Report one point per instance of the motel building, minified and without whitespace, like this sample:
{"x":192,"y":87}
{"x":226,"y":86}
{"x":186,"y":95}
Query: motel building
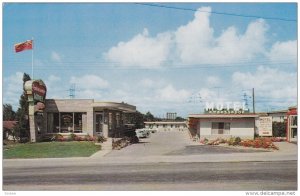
{"x":224,"y":124}
{"x":86,"y":116}
{"x":166,"y":126}
{"x":74,"y":116}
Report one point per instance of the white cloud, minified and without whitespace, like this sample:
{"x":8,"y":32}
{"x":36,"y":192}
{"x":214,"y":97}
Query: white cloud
{"x":142,"y":50}
{"x":213,"y":80}
{"x":13,"y":89}
{"x":273,"y":85}
{"x":196,"y":42}
{"x":89,"y":82}
{"x":53,"y":78}
{"x":170,"y":94}
{"x":55,"y":56}
{"x":193,"y":43}
{"x":284,"y":51}
{"x":148,"y":83}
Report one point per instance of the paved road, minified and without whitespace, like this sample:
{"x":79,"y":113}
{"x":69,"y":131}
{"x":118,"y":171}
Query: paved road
{"x":156,"y":176}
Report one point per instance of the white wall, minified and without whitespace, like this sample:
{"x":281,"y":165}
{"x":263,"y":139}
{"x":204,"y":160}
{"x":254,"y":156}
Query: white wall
{"x":167,"y":127}
{"x":243,"y":128}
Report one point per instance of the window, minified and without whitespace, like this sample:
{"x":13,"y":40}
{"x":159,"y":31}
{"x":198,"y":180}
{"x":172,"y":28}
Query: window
{"x":110,"y":120}
{"x":118,"y":120}
{"x":294,"y":121}
{"x":66,"y":122}
{"x":79,"y":122}
{"x":220,"y":128}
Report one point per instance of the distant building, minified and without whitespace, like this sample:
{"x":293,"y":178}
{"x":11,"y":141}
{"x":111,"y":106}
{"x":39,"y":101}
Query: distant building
{"x":171,"y":116}
{"x":278,"y":116}
{"x":166,"y":126}
{"x":8,"y":128}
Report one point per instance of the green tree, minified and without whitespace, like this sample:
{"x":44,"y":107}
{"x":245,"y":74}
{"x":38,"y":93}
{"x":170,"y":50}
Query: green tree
{"x":149,"y":117}
{"x":178,"y":118}
{"x":137,"y":119}
{"x":22,"y":116}
{"x":8,"y":112}
{"x":279,"y":129}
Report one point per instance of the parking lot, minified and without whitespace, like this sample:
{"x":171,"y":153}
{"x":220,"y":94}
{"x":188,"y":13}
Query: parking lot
{"x":159,"y":143}
{"x":175,"y":144}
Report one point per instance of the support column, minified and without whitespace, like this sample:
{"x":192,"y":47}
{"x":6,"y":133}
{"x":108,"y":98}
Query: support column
{"x":32,"y":123}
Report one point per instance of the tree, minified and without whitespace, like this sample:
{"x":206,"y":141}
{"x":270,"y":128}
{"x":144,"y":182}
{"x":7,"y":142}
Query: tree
{"x":137,"y":119}
{"x":279,"y":129}
{"x":22,"y":115}
{"x":178,"y":118}
{"x":8,"y":112}
{"x":149,"y":117}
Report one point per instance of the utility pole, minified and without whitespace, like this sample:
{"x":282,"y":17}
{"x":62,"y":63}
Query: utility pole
{"x":253,"y":101}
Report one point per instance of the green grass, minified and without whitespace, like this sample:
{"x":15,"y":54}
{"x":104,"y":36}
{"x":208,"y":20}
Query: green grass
{"x":50,"y":150}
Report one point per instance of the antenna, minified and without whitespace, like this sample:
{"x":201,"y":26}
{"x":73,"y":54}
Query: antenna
{"x":245,"y":99}
{"x":72,"y":90}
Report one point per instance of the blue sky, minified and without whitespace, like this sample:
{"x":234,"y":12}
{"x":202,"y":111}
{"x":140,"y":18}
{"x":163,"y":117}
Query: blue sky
{"x":161,"y":60}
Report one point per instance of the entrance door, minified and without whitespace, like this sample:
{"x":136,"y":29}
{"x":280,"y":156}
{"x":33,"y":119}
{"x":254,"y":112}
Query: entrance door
{"x":99,"y":123}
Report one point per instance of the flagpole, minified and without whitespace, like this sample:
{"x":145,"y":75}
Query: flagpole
{"x":32,"y":60}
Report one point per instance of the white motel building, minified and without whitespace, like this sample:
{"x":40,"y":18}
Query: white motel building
{"x":167,"y":126}
{"x":213,"y":126}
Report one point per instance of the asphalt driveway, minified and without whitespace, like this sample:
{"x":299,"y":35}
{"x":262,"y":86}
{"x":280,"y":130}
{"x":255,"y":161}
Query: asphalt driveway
{"x":206,"y":149}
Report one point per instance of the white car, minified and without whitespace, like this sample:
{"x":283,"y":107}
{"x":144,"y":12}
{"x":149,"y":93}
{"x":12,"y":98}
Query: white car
{"x":142,"y":133}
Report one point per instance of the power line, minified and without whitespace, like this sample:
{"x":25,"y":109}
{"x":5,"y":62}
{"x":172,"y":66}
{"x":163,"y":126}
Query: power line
{"x":213,"y":12}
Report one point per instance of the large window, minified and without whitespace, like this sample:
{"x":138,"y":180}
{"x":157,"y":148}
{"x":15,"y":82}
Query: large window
{"x":220,"y":128}
{"x":66,"y":122}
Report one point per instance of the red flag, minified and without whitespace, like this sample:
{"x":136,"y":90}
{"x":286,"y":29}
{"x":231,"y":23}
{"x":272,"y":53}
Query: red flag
{"x":28,"y":45}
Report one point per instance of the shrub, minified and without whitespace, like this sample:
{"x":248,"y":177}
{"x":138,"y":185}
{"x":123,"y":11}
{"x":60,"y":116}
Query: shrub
{"x":237,"y":140}
{"x":101,"y":139}
{"x":204,"y":141}
{"x":59,"y":137}
{"x":231,"y":141}
{"x":88,"y":138}
{"x":71,"y":137}
{"x":279,"y":129}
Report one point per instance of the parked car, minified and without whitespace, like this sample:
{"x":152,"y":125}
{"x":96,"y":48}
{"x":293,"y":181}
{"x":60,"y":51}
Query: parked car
{"x":142,"y":133}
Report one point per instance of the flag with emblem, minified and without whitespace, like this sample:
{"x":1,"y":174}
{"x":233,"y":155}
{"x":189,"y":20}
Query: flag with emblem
{"x":28,"y":45}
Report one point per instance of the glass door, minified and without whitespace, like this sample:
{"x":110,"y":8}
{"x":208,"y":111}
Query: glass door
{"x":99,"y":123}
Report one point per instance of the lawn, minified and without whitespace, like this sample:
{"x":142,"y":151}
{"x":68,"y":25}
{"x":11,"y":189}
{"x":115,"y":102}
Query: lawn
{"x":50,"y":150}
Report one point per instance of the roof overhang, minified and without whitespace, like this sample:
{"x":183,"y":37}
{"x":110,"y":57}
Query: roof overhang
{"x":124,"y":107}
{"x":166,"y":122}
{"x":223,"y":116}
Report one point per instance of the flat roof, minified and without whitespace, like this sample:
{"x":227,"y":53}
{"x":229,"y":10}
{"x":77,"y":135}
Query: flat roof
{"x":279,"y":111}
{"x":166,"y":122}
{"x":223,"y":115}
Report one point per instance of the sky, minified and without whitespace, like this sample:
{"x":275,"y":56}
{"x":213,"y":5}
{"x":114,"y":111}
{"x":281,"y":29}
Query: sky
{"x":158,"y":58}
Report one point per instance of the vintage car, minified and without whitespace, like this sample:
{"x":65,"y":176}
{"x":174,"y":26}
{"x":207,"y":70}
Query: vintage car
{"x":142,"y":133}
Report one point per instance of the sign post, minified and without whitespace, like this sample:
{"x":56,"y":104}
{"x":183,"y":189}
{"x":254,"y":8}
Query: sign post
{"x":265,"y":126}
{"x":36,"y":91}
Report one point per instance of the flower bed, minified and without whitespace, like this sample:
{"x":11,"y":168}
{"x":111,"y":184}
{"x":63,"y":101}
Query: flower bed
{"x":74,"y":137}
{"x":261,"y":142}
